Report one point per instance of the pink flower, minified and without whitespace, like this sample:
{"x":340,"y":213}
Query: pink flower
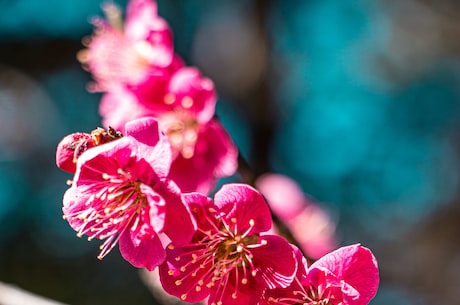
{"x":139,"y":51}
{"x":229,"y":259}
{"x":346,"y":276}
{"x":308,"y":223}
{"x":120,"y":193}
{"x":202,"y":149}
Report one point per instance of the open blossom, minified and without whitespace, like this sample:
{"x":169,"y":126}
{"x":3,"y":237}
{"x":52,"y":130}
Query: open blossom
{"x":229,"y":259}
{"x":138,"y":52}
{"x":120,"y":194}
{"x":346,"y":276}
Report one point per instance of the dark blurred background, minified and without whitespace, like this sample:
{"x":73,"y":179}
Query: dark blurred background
{"x":359,"y":101}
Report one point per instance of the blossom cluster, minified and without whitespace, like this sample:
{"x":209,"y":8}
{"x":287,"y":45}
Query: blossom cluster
{"x":143,"y":182}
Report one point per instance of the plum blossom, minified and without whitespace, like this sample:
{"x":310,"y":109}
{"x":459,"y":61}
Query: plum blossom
{"x":202,"y":149}
{"x":120,"y":194}
{"x":346,"y":276}
{"x":136,"y":53}
{"x":229,"y":259}
{"x":134,"y":62}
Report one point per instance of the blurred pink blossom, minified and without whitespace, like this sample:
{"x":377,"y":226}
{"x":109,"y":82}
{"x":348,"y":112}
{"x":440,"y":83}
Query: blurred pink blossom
{"x":309,"y":224}
{"x":136,"y":53}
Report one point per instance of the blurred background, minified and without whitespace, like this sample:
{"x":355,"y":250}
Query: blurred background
{"x":358,"y":101}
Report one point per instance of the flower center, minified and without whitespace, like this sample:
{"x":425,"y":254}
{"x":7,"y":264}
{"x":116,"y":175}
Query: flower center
{"x":221,"y":256}
{"x":182,"y":131}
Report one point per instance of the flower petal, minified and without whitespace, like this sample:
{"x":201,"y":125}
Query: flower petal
{"x":180,"y":224}
{"x":148,"y":254}
{"x":178,"y":281}
{"x":215,"y":156}
{"x":275,"y":262}
{"x":246,"y":205}
{"x":357,"y":267}
{"x":144,"y":130}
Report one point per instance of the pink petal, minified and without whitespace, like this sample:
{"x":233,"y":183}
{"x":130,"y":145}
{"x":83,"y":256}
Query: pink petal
{"x":249,"y":298}
{"x":226,"y":153}
{"x":73,"y":202}
{"x":144,"y":25}
{"x":276,"y":260}
{"x":119,"y":106}
{"x":283,"y":194}
{"x":180,"y":225}
{"x":170,"y":273}
{"x":139,"y":12}
{"x":157,"y":208}
{"x":194,"y":92}
{"x":215,"y":156}
{"x":148,"y":254}
{"x":246,"y":205}
{"x":156,"y":151}
{"x":357,"y":267}
{"x":160,"y":157}
{"x":144,"y":130}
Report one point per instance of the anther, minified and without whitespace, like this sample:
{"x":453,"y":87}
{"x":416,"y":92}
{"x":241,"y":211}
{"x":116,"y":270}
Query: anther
{"x":169,"y":99}
{"x":187,"y":102}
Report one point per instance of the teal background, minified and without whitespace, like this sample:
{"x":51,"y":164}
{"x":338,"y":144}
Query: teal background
{"x":358,"y":101}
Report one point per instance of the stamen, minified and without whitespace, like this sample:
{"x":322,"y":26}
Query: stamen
{"x":169,"y":98}
{"x":187,"y":102}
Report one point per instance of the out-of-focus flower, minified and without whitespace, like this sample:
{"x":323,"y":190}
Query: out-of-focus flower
{"x":309,"y":224}
{"x":346,"y":276}
{"x":136,"y":65}
{"x":229,"y":259}
{"x":135,"y":53}
{"x":120,"y":193}
{"x":202,"y":149}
